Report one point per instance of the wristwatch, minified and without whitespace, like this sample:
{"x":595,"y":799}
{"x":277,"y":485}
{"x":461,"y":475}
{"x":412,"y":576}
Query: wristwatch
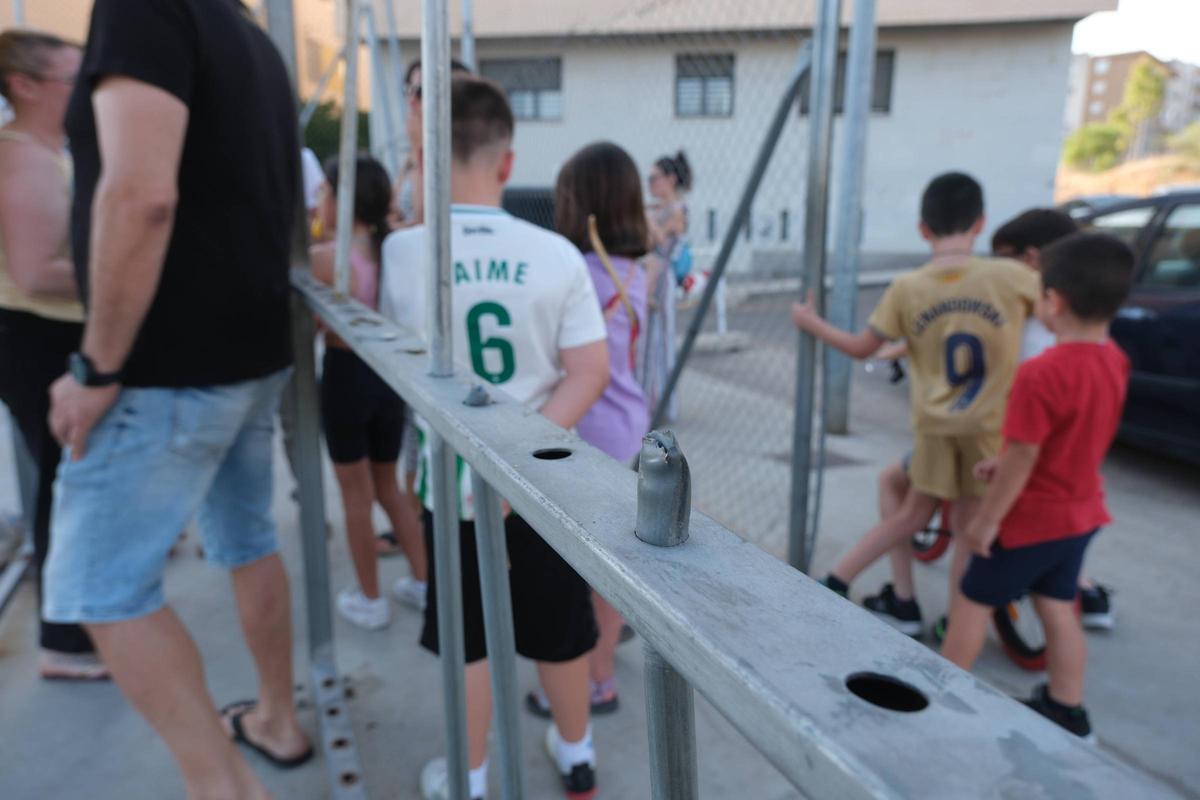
{"x":85,"y":374}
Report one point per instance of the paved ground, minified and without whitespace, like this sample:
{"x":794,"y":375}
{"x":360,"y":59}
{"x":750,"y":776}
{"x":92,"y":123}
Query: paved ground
{"x":59,"y":741}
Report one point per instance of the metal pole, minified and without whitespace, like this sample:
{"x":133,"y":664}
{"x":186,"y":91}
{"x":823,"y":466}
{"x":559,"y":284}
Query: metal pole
{"x":783,"y":113}
{"x":820,"y":139}
{"x":435,"y":131}
{"x":435,"y":111}
{"x":347,"y":154}
{"x":664,"y":506}
{"x":393,"y":40}
{"x":468,"y":35}
{"x":310,"y":107}
{"x":281,"y":25}
{"x":501,"y":641}
{"x":385,"y":93}
{"x":18,"y":7}
{"x":847,"y":234}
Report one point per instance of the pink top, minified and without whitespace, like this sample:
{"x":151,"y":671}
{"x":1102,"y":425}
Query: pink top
{"x":364,"y":279}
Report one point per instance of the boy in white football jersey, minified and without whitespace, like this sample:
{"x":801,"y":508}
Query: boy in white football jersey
{"x":525,"y":318}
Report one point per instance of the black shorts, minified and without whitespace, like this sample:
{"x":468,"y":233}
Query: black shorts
{"x":361,"y":415}
{"x":1050,"y":569}
{"x":551,"y":604}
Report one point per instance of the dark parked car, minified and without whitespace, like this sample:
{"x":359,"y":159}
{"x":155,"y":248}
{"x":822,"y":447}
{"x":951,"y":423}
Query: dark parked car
{"x":1160,"y":325}
{"x":1091,"y":204}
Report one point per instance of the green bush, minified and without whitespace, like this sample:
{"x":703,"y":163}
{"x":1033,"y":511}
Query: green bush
{"x":1095,"y":147}
{"x":1186,"y":143}
{"x":324,"y":130}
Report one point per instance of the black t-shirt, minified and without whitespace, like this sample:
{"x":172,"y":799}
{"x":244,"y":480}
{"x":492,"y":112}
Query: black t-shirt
{"x":220,"y":314}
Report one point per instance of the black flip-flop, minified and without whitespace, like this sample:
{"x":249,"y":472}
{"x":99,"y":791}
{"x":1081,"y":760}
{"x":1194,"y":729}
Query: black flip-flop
{"x":393,"y":545}
{"x":240,"y":708}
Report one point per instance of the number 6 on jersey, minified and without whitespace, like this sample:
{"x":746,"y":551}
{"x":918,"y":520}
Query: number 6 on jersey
{"x":479,"y":345}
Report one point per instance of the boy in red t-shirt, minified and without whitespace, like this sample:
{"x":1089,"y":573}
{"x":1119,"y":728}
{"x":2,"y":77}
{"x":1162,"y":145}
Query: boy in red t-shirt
{"x":1046,"y":498}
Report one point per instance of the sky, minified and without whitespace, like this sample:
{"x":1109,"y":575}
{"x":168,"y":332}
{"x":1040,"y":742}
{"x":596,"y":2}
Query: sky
{"x":1167,"y":29}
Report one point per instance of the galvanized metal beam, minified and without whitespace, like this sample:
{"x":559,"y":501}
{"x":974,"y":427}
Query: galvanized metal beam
{"x":772,"y":650}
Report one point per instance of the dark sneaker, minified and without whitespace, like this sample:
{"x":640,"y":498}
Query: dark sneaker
{"x":579,"y":782}
{"x":903,"y":615}
{"x":1074,"y":719}
{"x":836,"y":586}
{"x":938,"y":631}
{"x":1097,"y":607}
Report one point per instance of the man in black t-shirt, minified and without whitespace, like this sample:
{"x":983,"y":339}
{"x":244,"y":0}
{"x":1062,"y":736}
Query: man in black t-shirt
{"x":184,"y":135}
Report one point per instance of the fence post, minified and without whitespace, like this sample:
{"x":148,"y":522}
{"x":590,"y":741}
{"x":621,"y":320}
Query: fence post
{"x":501,"y":641}
{"x":347,"y":153}
{"x":310,"y":106}
{"x":18,"y":7}
{"x":467,"y":46}
{"x":820,"y":139}
{"x":435,"y":111}
{"x":397,"y":72}
{"x":664,"y":504}
{"x":847,"y":235}
{"x":385,"y":93}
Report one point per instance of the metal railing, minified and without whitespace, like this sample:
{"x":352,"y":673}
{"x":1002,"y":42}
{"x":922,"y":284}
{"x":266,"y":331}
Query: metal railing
{"x":838,"y":701}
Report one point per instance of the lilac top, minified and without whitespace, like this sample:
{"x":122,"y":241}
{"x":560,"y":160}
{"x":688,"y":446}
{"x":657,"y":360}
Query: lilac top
{"x":621,"y":417}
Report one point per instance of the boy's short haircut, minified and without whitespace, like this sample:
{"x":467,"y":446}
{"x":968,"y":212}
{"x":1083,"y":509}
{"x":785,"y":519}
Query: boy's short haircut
{"x":456,"y":68}
{"x":951,"y":204}
{"x":480,"y":117}
{"x":1035,"y":228}
{"x":1092,"y":271}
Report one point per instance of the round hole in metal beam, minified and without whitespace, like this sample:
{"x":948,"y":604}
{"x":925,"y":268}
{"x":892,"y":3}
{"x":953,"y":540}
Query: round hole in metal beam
{"x":552,"y":453}
{"x":328,"y":683}
{"x":348,"y":778}
{"x":886,"y":692}
{"x":332,"y":711}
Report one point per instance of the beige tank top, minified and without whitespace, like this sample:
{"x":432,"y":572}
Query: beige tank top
{"x":17,"y":299}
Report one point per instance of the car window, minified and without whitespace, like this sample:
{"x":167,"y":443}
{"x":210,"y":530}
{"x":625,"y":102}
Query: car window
{"x":1125,"y":225}
{"x":1174,"y":259}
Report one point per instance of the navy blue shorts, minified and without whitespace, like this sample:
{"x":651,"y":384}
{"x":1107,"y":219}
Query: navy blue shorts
{"x":1050,"y":569}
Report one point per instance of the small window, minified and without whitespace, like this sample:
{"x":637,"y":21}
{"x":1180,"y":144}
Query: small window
{"x":704,"y":85}
{"x":881,"y":85}
{"x":1125,"y":225}
{"x":1174,"y":260}
{"x":1096,"y":108}
{"x":1099,"y":87}
{"x":1101,"y":67}
{"x":533,"y":85}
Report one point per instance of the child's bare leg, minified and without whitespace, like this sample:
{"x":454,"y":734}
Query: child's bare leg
{"x":603,"y":655}
{"x":961,"y":512}
{"x":406,"y":524}
{"x":566,"y":686}
{"x":913,"y":514}
{"x":1066,"y":649}
{"x":893,"y":486}
{"x":478,"y":680}
{"x":967,"y":631}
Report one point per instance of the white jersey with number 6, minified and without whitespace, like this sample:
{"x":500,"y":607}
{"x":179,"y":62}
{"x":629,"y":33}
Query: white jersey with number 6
{"x":520,"y":294}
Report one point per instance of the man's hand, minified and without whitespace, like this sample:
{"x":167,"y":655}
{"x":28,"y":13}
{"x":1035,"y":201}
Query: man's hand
{"x":986,"y":470}
{"x":75,"y":410}
{"x":980,"y":535}
{"x":804,"y":315}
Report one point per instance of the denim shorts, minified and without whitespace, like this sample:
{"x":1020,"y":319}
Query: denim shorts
{"x":159,"y":458}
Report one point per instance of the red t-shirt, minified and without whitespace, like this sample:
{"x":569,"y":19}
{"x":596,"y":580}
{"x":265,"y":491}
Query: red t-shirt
{"x":1067,"y":400}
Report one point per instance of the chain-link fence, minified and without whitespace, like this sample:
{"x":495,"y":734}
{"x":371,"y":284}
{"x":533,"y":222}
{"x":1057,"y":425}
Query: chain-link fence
{"x":690,"y":90}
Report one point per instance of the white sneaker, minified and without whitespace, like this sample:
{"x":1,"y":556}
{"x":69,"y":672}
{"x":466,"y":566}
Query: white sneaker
{"x":410,"y":592}
{"x":576,"y":764}
{"x":357,"y":609}
{"x":435,"y":781}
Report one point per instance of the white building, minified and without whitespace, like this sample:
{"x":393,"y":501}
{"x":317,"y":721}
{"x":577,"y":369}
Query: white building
{"x":972,"y":85}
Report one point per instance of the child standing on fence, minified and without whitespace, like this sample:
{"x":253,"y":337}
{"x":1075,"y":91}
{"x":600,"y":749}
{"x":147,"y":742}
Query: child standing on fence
{"x":526,"y":317}
{"x":961,"y":318}
{"x":1045,"y":500}
{"x":598,"y":207}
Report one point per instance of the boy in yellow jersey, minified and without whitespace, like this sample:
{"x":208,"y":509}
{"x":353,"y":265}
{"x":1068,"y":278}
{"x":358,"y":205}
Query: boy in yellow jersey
{"x":961,"y":318}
